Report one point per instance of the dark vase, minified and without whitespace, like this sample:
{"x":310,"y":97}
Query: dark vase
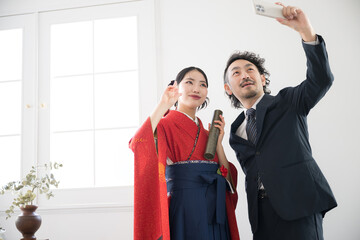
{"x":28,"y":222}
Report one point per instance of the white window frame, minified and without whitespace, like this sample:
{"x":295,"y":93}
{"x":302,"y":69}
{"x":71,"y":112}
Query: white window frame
{"x":38,"y":144}
{"x":27,"y":23}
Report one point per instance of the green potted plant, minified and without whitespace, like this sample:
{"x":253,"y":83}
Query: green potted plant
{"x":25,"y":192}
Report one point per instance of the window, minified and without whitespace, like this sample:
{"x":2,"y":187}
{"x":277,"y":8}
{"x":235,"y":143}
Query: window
{"x":94,"y":72}
{"x":94,"y":100}
{"x":10,"y":103}
{"x":17,"y":110}
{"x":81,"y":81}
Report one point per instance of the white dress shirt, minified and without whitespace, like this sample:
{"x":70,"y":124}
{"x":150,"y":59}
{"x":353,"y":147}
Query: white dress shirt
{"x":241,"y":131}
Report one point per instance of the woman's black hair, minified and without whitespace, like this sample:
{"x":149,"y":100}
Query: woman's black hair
{"x":180,"y":76}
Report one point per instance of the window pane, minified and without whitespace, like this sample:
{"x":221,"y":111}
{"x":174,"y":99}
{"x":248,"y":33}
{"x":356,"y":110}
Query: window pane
{"x":10,"y":158}
{"x":94,"y":86}
{"x":11,"y":54}
{"x":72,"y":103}
{"x":116,"y":100}
{"x":72,"y":48}
{"x":114,"y":159}
{"x":75,"y":151}
{"x":115,"y":44}
{"x":10,"y":108}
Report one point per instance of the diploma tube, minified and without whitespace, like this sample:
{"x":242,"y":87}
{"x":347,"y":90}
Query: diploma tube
{"x":213,"y":137}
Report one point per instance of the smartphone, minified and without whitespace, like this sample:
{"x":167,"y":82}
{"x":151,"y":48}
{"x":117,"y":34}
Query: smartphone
{"x":268,"y":9}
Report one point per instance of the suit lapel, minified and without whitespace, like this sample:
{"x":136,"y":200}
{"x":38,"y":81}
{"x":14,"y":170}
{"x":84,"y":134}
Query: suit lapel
{"x":244,"y":149}
{"x":234,"y":126}
{"x":261,"y":109}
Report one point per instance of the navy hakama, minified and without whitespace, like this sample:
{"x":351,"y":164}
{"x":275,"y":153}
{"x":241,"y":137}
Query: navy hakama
{"x":197,"y":205}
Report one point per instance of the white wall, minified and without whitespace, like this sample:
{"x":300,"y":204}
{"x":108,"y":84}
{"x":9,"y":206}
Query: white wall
{"x":204,"y":33}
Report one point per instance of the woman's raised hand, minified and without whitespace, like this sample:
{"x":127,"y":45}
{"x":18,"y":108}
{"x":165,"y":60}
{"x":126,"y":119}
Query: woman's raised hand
{"x":170,"y":95}
{"x":168,"y":99}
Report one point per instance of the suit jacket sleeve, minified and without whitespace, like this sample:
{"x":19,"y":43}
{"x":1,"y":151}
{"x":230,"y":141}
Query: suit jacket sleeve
{"x":318,"y":79}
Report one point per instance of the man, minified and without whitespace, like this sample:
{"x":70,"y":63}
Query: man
{"x":287,"y":193}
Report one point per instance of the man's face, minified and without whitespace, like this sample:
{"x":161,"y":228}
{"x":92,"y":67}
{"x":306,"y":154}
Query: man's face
{"x":245,"y":81}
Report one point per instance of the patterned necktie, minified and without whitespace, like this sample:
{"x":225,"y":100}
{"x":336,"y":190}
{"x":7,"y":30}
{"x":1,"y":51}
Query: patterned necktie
{"x":251,"y":134}
{"x":251,"y":125}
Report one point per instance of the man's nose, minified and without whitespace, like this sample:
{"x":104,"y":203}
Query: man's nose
{"x":244,"y":75}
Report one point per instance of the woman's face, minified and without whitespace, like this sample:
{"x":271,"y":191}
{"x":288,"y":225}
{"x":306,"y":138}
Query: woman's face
{"x":194,"y":89}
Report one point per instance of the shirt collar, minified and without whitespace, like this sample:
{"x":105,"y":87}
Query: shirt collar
{"x":257,"y":101}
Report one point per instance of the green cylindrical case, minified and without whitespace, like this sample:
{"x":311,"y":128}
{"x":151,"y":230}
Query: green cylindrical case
{"x":213,"y":137}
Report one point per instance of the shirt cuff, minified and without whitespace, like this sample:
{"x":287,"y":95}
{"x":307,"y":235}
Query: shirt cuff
{"x":316,"y":42}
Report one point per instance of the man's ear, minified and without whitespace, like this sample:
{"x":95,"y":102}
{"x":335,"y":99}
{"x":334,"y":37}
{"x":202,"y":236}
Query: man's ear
{"x":263,"y":79}
{"x":227,"y":89}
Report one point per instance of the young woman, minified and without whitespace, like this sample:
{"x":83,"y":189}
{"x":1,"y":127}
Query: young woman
{"x":179,"y":195}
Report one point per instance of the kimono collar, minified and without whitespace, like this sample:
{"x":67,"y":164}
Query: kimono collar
{"x":196,"y":119}
{"x":187,"y":123}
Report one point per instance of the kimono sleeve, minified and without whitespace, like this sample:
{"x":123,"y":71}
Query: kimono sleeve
{"x":231,"y":202}
{"x":151,"y":219}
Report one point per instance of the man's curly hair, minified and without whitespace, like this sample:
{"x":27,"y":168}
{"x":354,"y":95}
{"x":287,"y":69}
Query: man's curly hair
{"x":254,"y":59}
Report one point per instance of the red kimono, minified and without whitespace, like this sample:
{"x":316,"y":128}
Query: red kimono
{"x":176,"y":135}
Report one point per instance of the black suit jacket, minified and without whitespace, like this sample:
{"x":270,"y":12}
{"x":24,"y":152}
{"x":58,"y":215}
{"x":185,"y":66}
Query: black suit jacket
{"x":282,"y":154}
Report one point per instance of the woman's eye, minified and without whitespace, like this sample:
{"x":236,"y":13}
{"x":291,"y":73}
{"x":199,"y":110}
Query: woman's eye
{"x":204,"y":85}
{"x":189,"y":82}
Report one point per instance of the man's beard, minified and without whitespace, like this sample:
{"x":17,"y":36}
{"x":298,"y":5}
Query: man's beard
{"x":250,"y":94}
